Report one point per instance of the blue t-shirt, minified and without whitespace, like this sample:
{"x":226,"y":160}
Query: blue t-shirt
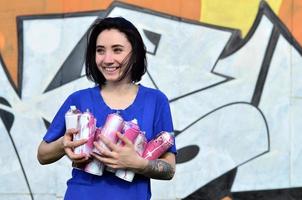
{"x":152,"y":112}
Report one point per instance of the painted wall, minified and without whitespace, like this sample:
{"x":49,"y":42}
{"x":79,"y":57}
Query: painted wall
{"x":231,"y":70}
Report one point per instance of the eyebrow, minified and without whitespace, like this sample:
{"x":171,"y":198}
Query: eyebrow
{"x":117,"y":45}
{"x":113,"y":46}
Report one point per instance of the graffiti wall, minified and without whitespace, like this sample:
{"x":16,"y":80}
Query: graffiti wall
{"x":231,"y":70}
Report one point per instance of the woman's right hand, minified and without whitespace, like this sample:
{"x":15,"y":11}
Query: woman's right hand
{"x":69,"y":146}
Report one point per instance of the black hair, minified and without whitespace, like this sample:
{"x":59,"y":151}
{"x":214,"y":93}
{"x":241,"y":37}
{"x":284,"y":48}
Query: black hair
{"x":137,"y":63}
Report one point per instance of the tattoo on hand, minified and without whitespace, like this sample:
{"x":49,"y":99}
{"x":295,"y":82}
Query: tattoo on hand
{"x":159,"y":169}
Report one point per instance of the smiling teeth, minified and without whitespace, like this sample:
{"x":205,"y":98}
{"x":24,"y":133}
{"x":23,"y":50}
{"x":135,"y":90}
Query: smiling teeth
{"x":110,"y":69}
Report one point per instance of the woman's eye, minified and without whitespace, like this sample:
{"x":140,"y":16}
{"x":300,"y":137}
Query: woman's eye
{"x":100,"y":51}
{"x":117,"y":50}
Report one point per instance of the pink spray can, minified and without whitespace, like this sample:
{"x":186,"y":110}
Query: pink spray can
{"x":87,"y":126}
{"x":94,"y":166}
{"x":140,"y":144}
{"x":156,"y":147}
{"x":72,"y":118}
{"x":130,"y":131}
{"x":114,"y":123}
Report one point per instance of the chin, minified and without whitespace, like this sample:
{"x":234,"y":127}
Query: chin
{"x":112,"y":79}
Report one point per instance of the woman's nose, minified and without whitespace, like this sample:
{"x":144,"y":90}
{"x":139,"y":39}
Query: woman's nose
{"x":108,"y":58}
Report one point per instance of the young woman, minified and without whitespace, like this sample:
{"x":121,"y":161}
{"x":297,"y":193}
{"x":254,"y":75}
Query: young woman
{"x":115,"y":61}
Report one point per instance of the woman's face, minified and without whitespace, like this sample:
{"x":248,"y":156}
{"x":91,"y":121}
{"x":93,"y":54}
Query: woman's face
{"x":112,"y":53}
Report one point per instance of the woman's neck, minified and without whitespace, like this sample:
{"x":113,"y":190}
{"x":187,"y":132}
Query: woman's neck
{"x":119,"y":95}
{"x":121,"y":87}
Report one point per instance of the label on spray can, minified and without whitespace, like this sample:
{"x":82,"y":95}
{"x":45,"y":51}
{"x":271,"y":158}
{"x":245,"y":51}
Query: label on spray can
{"x":94,"y":167}
{"x":140,"y":143}
{"x":87,"y":127}
{"x":130,"y":131}
{"x":72,"y":118}
{"x":156,"y":147}
{"x":114,"y":123}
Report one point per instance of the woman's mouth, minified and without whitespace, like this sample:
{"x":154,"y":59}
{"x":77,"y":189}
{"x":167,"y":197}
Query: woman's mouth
{"x":110,"y":69}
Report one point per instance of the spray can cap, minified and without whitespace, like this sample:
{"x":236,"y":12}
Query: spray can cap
{"x":73,"y":108}
{"x":134,"y":121}
{"x":171,"y":133}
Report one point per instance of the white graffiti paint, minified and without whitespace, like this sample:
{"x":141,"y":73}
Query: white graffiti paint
{"x":214,"y":104}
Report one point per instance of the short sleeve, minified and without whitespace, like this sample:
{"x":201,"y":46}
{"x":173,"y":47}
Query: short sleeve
{"x":57,"y":127}
{"x":164,"y":119}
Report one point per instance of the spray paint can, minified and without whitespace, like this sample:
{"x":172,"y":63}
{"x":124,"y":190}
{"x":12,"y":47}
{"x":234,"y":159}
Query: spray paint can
{"x":72,"y":118}
{"x":156,"y":147}
{"x":87,"y":127}
{"x":95,"y":166}
{"x":114,"y":123}
{"x":140,"y":144}
{"x":130,"y":131}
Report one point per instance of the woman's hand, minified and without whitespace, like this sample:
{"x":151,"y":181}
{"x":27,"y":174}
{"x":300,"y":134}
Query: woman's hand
{"x":69,"y":146}
{"x":117,"y":156}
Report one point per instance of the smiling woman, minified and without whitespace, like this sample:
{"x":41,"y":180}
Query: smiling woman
{"x":118,"y":45}
{"x":112,"y":55}
{"x":115,"y":62}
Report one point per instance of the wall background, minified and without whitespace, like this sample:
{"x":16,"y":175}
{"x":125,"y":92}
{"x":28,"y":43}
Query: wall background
{"x":231,"y":70}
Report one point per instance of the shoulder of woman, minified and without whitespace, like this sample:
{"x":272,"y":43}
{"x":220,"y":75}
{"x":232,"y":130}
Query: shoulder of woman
{"x":82,"y":92}
{"x":154,"y":92}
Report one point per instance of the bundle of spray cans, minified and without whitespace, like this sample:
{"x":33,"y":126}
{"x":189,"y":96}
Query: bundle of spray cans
{"x":86,"y":123}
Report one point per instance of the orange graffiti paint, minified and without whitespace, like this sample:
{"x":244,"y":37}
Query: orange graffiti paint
{"x":181,"y":8}
{"x":291,"y":15}
{"x":2,"y":42}
{"x":11,"y":9}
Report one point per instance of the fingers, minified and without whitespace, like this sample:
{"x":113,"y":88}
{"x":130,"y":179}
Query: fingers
{"x":76,"y":158}
{"x":108,"y":143}
{"x":108,"y":161}
{"x":124,"y":139}
{"x":82,"y":160}
{"x":68,"y":139}
{"x":105,"y":155}
{"x":78,"y":142}
{"x":71,"y":131}
{"x":69,"y":146}
{"x":103,"y":151}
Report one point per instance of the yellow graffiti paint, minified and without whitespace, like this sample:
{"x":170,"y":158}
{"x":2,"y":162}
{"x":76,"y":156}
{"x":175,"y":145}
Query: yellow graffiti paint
{"x":238,"y":14}
{"x":275,"y":5}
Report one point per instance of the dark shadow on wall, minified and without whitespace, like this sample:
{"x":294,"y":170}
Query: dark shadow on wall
{"x":216,"y":189}
{"x":283,"y":194}
{"x":221,"y":187}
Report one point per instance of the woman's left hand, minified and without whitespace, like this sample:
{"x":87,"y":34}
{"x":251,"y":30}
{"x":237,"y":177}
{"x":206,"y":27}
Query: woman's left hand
{"x":119,"y":157}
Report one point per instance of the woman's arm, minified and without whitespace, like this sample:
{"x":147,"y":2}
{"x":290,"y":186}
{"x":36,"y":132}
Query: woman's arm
{"x":53,"y":151}
{"x":50,"y":152}
{"x":162,"y":168}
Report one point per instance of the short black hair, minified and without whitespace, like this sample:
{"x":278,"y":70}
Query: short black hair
{"x":137,"y":64}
